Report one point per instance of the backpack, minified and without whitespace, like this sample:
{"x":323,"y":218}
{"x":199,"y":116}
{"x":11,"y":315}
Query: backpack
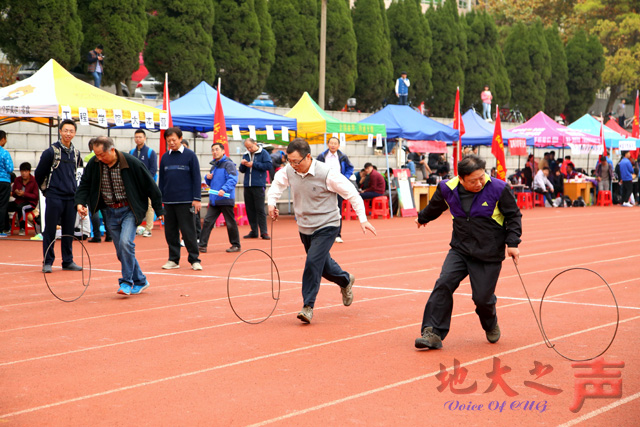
{"x":57,"y":156}
{"x":579,"y":202}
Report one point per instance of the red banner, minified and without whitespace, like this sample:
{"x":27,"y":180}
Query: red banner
{"x":166,"y":105}
{"x":219,"y":126}
{"x":497,"y":148}
{"x":459,"y":125}
{"x":602,"y":141}
{"x":635,"y":130}
{"x":427,"y":146}
{"x":517,"y":146}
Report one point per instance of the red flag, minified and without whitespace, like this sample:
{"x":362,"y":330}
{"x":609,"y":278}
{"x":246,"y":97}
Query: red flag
{"x":497,"y":148}
{"x":604,"y":144}
{"x":635,"y":130}
{"x":219,"y":126}
{"x":166,"y":105}
{"x":459,"y":125}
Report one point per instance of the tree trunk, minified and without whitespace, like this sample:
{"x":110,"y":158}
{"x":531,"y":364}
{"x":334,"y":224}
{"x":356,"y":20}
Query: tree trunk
{"x":615,"y":92}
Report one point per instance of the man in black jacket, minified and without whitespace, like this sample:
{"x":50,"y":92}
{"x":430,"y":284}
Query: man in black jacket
{"x":486,"y":218}
{"x":121,"y":185}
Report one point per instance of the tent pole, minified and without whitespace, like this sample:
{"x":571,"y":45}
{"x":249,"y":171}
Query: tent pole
{"x":50,"y":133}
{"x":388,"y":177}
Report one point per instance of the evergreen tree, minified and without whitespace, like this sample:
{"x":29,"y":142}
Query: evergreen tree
{"x":375,"y":69}
{"x":586,"y":62}
{"x":485,"y":62}
{"x":529,"y":67}
{"x":296,"y":26}
{"x":50,"y":29}
{"x":121,"y":27}
{"x":342,"y":48}
{"x":267,"y":43}
{"x":411,"y":47}
{"x":236,"y":37}
{"x":449,"y":57}
{"x":179,"y":42}
{"x":557,"y":92}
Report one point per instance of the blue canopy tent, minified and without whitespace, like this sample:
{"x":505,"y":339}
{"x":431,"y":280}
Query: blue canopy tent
{"x":403,"y":121}
{"x":195,"y":110}
{"x":479,"y":132}
{"x":591,"y":125}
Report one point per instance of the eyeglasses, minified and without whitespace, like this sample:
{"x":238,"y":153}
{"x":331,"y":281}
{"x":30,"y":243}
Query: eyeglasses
{"x":68,"y":131}
{"x":298,"y":162}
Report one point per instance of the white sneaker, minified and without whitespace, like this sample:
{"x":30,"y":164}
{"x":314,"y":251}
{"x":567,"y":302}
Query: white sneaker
{"x":627,"y":205}
{"x":196,"y":266}
{"x":339,"y":240}
{"x":182,"y":243}
{"x":170,"y":265}
{"x":146,"y":233}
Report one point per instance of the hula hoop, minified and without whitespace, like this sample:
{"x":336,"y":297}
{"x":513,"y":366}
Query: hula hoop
{"x":85,"y":286}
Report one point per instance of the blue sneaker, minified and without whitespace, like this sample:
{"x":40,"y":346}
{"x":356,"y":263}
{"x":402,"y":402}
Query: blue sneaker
{"x":139,"y":288}
{"x":125,"y":289}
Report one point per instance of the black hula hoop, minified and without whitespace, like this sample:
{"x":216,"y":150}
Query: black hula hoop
{"x":85,"y":286}
{"x":538,"y":318}
{"x":274,"y":295}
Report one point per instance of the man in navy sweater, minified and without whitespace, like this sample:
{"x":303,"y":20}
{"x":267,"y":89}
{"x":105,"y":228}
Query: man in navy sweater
{"x":254,"y":165}
{"x":148,"y":157}
{"x":58,"y":163}
{"x":180,"y":186}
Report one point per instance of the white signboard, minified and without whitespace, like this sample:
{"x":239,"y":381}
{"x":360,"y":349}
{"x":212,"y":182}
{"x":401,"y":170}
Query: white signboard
{"x":627,"y":145}
{"x":135,"y":119}
{"x":118,"y":118}
{"x":370,"y":140}
{"x":285,"y":133}
{"x":148,"y":121}
{"x":235,"y":130}
{"x":65,"y":112}
{"x":102,"y":118}
{"x":84,"y":116}
{"x":270,"y":135}
{"x":252,"y":132}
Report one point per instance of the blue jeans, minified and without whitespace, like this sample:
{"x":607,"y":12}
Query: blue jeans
{"x":121,"y":223}
{"x":486,"y":111}
{"x":403,"y":99}
{"x":97,"y":78}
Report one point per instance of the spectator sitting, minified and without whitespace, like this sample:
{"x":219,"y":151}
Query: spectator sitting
{"x":25,"y":192}
{"x":443,"y":168}
{"x":278,"y":160}
{"x":376,"y":185}
{"x":567,"y":161}
{"x":420,"y":162}
{"x":571,"y":173}
{"x":542,"y":185}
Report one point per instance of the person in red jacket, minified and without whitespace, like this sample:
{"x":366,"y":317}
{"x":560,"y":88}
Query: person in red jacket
{"x":376,"y":183}
{"x":25,"y":192}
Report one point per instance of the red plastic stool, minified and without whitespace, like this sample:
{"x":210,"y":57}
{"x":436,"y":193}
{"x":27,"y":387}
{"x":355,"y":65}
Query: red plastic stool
{"x":15,"y":223}
{"x":604,"y":198}
{"x":538,"y":200}
{"x":347,"y":211}
{"x":240,"y":212}
{"x":380,"y":207}
{"x":524,"y":200}
{"x":220,"y":222}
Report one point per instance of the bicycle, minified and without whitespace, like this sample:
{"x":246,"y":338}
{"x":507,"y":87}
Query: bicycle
{"x":515,"y":116}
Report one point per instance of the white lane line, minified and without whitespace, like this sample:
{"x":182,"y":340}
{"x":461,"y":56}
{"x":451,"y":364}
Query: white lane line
{"x":418,"y":378}
{"x":601,"y":411}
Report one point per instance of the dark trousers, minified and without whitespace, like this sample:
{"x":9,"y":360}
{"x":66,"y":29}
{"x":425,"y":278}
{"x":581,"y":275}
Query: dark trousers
{"x":5,"y":193}
{"x":20,"y":210}
{"x":320,"y":264}
{"x":95,"y":223}
{"x":340,"y":200}
{"x":198,"y":225}
{"x":178,"y":219}
{"x":546,"y":194}
{"x":627,"y":189}
{"x":370,"y":195}
{"x":257,"y":216}
{"x":61,"y":212}
{"x":484,"y":277}
{"x":213,"y":212}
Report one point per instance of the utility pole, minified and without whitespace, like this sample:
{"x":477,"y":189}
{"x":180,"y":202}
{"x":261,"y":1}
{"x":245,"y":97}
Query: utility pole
{"x":323,"y":52}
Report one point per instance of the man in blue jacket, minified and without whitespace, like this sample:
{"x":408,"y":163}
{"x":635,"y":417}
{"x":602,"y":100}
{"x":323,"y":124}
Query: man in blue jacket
{"x":486,"y":219}
{"x":339,"y":162}
{"x":254,"y":165}
{"x":148,"y":157}
{"x":222,"y":182}
{"x":626,"y":176}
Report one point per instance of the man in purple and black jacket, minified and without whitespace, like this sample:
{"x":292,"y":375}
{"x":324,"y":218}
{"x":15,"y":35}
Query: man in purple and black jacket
{"x":486,"y":219}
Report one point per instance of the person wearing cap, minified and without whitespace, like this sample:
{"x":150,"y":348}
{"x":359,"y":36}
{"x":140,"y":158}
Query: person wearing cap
{"x":402,"y":89}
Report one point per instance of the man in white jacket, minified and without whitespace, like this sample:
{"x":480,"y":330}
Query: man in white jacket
{"x":542,"y":185}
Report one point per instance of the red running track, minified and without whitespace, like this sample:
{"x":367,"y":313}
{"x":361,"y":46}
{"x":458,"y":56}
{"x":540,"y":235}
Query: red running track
{"x":176,"y":355}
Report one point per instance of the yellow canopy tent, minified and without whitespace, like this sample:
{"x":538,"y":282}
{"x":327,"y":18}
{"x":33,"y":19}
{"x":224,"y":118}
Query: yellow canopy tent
{"x":314,"y":123}
{"x":52,"y":93}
